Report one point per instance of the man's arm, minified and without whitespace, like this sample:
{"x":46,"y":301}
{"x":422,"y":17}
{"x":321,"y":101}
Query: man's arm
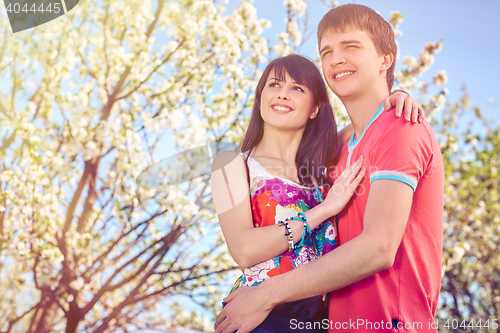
{"x":374,"y":250}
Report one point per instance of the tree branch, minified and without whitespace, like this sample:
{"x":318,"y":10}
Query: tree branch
{"x":173,"y":285}
{"x":13,"y":321}
{"x":168,"y":240}
{"x":110,"y":248}
{"x":166,"y":59}
{"x":91,"y":195}
{"x":119,"y":86}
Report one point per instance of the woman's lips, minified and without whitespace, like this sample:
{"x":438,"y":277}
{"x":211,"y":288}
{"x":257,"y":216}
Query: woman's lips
{"x":281,"y":108}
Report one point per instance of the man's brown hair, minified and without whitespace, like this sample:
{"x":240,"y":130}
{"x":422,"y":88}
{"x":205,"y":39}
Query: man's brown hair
{"x":366,"y":19}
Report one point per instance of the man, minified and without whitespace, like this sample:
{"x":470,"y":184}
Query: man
{"x":386,"y":274}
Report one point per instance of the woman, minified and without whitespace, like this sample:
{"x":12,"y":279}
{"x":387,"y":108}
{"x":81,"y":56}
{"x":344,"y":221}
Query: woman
{"x":275,"y":197}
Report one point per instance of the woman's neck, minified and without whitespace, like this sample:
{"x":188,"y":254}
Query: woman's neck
{"x":282,"y":145}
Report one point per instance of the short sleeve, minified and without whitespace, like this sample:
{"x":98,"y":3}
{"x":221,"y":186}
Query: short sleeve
{"x":400,"y":151}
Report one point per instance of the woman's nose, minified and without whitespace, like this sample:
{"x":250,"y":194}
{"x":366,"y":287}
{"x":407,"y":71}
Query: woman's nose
{"x":283,"y":94}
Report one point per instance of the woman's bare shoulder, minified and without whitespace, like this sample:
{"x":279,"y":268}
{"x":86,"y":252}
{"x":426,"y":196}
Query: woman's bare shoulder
{"x":225,"y":158}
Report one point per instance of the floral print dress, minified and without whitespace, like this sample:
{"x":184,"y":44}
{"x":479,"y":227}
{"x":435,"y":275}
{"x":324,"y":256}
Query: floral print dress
{"x":273,"y":199}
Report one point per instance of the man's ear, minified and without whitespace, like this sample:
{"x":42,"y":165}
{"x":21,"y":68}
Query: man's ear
{"x":387,"y":61}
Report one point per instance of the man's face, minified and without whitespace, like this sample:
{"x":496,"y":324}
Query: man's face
{"x":350,"y":62}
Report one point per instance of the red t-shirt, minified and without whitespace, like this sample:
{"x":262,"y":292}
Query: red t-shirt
{"x":406,"y":294}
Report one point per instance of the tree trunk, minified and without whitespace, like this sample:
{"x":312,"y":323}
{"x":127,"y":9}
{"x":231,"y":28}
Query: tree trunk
{"x":73,"y":316}
{"x":72,"y":322}
{"x":43,"y":319}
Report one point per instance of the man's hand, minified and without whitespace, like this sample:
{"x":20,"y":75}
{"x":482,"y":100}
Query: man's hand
{"x":245,"y":310}
{"x":412,"y":110}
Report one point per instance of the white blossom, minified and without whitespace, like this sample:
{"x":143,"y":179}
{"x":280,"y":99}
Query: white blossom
{"x":440,"y":78}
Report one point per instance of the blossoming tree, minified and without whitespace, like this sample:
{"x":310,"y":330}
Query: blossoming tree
{"x":83,"y":248}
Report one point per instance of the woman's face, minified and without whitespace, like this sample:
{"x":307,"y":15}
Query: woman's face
{"x":286,"y":104}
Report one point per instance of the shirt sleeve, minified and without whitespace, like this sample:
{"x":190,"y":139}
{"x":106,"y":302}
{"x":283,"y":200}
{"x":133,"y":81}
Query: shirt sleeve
{"x":401,"y":151}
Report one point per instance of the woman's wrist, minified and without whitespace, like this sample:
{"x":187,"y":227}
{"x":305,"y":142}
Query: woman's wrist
{"x":334,"y":208}
{"x":318,"y":215}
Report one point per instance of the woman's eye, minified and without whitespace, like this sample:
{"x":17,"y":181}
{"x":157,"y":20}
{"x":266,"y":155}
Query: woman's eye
{"x":273,"y":84}
{"x":299,"y":89}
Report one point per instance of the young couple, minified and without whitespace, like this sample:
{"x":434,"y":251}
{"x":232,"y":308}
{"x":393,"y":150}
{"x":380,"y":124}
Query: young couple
{"x":355,"y":215}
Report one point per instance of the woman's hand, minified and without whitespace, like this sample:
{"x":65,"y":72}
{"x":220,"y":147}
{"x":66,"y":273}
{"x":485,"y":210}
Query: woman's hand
{"x":343,"y":189}
{"x":401,"y":100}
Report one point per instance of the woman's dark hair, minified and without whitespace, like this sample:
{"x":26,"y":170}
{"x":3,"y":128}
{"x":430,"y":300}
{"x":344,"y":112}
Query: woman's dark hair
{"x":318,"y":146}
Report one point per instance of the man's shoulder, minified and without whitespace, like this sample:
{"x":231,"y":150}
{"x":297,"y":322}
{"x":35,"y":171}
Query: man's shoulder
{"x":388,"y":125}
{"x":342,"y":155}
{"x":404,"y":143}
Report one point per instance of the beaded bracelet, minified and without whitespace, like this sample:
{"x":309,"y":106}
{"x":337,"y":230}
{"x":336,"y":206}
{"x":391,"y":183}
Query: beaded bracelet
{"x":288,"y":234}
{"x":302,"y":217}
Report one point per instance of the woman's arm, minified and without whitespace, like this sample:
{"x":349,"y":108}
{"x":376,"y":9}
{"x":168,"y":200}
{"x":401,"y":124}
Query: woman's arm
{"x":231,"y":195}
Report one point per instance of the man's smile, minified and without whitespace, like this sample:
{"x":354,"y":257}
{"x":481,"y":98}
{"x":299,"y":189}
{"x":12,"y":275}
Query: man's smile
{"x":342,"y":75}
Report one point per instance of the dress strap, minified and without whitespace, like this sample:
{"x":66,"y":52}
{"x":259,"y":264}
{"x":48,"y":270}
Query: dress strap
{"x":255,"y":168}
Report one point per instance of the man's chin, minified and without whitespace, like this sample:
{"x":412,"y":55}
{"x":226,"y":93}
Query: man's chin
{"x":344,"y":94}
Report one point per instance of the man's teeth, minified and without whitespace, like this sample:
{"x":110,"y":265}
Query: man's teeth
{"x":281,"y":108}
{"x":343,"y":74}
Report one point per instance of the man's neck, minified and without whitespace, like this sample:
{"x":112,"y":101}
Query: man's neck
{"x":361,"y":110}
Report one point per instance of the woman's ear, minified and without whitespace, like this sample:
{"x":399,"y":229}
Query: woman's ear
{"x":315,"y":112}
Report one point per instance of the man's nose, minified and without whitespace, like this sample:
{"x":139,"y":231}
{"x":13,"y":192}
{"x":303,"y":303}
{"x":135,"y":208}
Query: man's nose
{"x":337,"y":61}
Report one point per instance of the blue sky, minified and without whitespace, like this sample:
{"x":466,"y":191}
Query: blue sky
{"x":471,"y":32}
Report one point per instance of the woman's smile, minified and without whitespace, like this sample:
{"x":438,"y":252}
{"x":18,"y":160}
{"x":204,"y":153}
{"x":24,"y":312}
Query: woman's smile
{"x":281,"y":108}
